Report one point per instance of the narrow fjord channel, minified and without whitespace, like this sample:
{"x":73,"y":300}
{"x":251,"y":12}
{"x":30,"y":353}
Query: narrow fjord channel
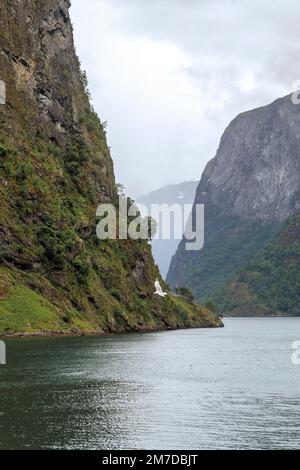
{"x":235,"y":387}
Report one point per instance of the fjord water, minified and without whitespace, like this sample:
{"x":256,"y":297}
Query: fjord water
{"x":194,"y":389}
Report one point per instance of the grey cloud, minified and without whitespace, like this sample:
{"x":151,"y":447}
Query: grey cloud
{"x":169,"y":75}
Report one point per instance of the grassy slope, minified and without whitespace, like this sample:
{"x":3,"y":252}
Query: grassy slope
{"x":24,"y":310}
{"x":55,"y":275}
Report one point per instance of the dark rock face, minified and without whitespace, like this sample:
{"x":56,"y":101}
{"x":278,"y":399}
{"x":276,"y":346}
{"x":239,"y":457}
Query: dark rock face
{"x":249,"y":189}
{"x":256,"y":172}
{"x":38,"y":46}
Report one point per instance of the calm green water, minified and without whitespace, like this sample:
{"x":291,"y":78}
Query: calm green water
{"x":228,"y":388}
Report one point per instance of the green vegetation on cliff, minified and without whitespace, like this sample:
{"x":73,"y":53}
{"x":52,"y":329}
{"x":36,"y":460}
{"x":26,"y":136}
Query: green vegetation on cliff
{"x":229,"y":243}
{"x":55,"y":169}
{"x":270,"y":283}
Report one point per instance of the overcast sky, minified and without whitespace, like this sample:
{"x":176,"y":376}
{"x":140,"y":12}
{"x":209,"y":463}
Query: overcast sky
{"x":169,"y":76}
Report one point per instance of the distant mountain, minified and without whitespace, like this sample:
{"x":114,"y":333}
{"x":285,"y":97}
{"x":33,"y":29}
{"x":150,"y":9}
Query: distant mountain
{"x":181,"y":193}
{"x":249,"y":189}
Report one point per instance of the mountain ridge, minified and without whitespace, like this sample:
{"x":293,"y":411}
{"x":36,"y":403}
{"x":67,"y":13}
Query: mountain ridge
{"x":249,"y":190}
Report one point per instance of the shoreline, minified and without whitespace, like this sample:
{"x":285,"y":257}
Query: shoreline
{"x":97,"y":333}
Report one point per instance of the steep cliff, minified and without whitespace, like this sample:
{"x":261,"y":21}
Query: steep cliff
{"x":249,"y":189}
{"x":55,"y":168}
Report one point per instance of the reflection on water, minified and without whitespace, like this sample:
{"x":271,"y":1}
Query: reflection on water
{"x":195,"y":389}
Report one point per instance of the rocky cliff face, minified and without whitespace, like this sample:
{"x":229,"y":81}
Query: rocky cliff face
{"x":256,"y":172}
{"x":249,"y":189}
{"x":44,"y":82}
{"x":55,"y":168}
